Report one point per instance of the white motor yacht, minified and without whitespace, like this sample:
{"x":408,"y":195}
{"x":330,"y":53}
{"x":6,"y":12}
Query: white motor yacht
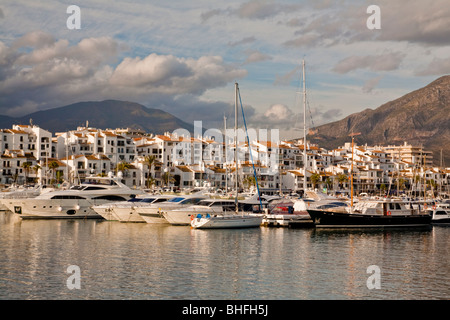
{"x":184,"y":215}
{"x":129,"y":211}
{"x":165,"y":209}
{"x":75,"y":202}
{"x":221,"y":221}
{"x":440,"y":214}
{"x":20,"y":193}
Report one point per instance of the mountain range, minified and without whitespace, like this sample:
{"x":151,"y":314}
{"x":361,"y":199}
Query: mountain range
{"x":420,"y":118}
{"x":101,"y":114}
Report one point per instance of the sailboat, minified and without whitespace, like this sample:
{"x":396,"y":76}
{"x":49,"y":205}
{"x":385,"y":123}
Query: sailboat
{"x":372,"y":213}
{"x":237,"y":219}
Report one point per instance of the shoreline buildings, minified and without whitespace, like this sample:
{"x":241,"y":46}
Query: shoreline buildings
{"x":30,"y":154}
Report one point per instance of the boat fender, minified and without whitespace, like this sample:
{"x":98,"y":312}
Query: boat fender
{"x":77,"y":207}
{"x":59,"y":209}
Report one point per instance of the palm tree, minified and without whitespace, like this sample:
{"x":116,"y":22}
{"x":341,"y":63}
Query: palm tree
{"x":36,"y":168}
{"x":315,"y":177}
{"x":249,"y":181}
{"x":167,"y":178}
{"x":123,"y":166}
{"x":26,"y":166}
{"x":342,"y":178}
{"x":149,"y":161}
{"x":53,"y":166}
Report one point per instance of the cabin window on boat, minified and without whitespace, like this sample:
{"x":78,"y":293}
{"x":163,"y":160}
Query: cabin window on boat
{"x":394,"y":206}
{"x":192,"y":201}
{"x":93,"y":188}
{"x":110,"y":198}
{"x":443,"y":213}
{"x":67,"y":197}
{"x":177,"y":199}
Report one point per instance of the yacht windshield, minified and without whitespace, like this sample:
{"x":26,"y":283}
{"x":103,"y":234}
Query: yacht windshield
{"x":191,"y":201}
{"x":176,"y":199}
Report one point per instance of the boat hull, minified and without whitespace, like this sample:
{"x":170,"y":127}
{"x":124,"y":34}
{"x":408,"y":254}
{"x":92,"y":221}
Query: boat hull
{"x":127,"y":213}
{"x":53,"y":209}
{"x":332,"y":219}
{"x":440,"y":221}
{"x":286,"y":220}
{"x":227,"y":222}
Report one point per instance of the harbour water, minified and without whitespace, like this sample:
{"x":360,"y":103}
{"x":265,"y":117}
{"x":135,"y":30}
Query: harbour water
{"x":124,"y":261}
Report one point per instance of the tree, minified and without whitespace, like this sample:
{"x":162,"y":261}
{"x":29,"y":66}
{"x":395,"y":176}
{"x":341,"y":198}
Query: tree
{"x":315,"y":178}
{"x":167,"y":178}
{"x":383,"y":188}
{"x":26,"y":166}
{"x":36,"y":169}
{"x":150,"y":161}
{"x":342,"y":178}
{"x":53,"y":165}
{"x":123,"y":166}
{"x":249,"y":181}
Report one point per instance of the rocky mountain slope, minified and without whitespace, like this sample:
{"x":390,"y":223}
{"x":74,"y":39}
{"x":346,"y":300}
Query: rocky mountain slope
{"x":421,"y":117}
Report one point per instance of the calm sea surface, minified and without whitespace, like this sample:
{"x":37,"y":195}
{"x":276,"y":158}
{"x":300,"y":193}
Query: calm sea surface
{"x":142,"y":261}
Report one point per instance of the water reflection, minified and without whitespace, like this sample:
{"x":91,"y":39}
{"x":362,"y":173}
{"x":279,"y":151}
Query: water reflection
{"x":142,"y":261}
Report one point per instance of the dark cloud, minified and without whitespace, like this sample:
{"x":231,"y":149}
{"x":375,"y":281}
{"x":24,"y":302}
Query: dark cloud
{"x":243,"y":41}
{"x":419,"y":22}
{"x":253,"y":10}
{"x":383,"y":62}
{"x":52,"y":73}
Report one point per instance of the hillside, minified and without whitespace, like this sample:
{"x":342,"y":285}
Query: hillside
{"x":101,"y":114}
{"x":421,"y":117}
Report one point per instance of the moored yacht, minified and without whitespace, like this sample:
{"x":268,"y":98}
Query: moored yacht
{"x":165,"y":209}
{"x":184,"y":215}
{"x":293,"y":212}
{"x":75,"y":202}
{"x":227,"y":220}
{"x":20,"y":193}
{"x":371,"y":214}
{"x":130,"y":211}
{"x":440,"y":214}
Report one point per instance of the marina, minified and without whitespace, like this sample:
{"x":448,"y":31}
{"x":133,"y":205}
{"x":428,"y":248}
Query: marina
{"x":163,"y":262}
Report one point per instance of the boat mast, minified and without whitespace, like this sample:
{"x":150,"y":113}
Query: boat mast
{"x":351,"y":174}
{"x":225,"y":150}
{"x":236,"y":88}
{"x":305,"y":160}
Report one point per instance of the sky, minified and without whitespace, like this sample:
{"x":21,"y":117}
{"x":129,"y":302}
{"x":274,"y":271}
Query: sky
{"x":184,"y":56}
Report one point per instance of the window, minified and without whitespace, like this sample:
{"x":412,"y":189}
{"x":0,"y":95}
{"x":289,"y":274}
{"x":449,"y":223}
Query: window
{"x":93,"y":188}
{"x":110,"y":198}
{"x":67,"y":197}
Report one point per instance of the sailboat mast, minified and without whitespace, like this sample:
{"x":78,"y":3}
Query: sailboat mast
{"x":305,"y":160}
{"x":225,"y":151}
{"x":351,"y":174}
{"x":236,"y":88}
